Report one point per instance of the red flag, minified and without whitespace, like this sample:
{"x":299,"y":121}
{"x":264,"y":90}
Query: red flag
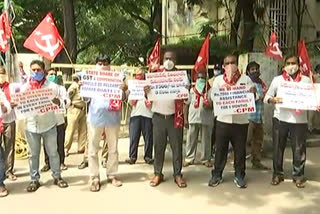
{"x":203,"y":58}
{"x":154,"y":58}
{"x":304,"y":61}
{"x":273,"y":49}
{"x":45,"y":39}
{"x":5,"y":32}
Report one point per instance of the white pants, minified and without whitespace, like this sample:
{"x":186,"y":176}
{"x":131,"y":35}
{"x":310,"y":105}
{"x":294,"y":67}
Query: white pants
{"x":112,"y":135}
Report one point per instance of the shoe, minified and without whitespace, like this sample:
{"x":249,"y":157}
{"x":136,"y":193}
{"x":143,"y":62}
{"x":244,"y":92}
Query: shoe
{"x":11,"y":176}
{"x":95,"y":186}
{"x":207,"y":164}
{"x":115,"y":181}
{"x":130,"y":161}
{"x":215,"y":181}
{"x":45,"y":168}
{"x":259,"y":166}
{"x":104,"y":164}
{"x":33,"y":186}
{"x":240,"y":182}
{"x":63,"y":166}
{"x":3,"y":191}
{"x":60,"y":183}
{"x":186,"y":163}
{"x":181,"y":183}
{"x":149,"y":161}
{"x":276,"y":180}
{"x":156,"y":180}
{"x":300,"y":183}
{"x":83,"y":165}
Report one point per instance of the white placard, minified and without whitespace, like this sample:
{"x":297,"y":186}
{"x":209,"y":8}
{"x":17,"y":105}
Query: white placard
{"x":136,"y":88}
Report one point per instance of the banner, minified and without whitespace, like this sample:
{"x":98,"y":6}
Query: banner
{"x":136,"y":88}
{"x":236,"y":100}
{"x":168,"y":85}
{"x":33,"y":102}
{"x":299,"y":95}
{"x":102,"y":84}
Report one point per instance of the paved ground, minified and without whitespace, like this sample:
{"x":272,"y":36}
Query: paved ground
{"x":135,"y":196}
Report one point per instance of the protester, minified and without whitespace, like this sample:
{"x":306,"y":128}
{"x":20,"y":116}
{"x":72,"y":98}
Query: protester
{"x":314,"y":116}
{"x":288,"y":123}
{"x":231,"y":128}
{"x":200,"y":118}
{"x":53,"y":77}
{"x":104,"y":115}
{"x":42,"y":127}
{"x":255,"y":129}
{"x":167,"y":125}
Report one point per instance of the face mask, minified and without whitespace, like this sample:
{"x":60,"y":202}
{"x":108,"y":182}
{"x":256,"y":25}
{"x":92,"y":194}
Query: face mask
{"x":200,"y":84}
{"x":52,"y":78}
{"x":3,"y":78}
{"x":291,"y":69}
{"x":254,"y":75}
{"x":216,"y":72}
{"x":139,"y":77}
{"x":38,"y":76}
{"x":230,"y":70}
{"x":168,"y":64}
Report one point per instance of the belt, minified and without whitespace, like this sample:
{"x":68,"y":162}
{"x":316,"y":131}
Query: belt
{"x":163,"y":115}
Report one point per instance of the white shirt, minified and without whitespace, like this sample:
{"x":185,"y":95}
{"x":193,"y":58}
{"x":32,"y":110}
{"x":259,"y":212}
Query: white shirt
{"x":165,"y":107}
{"x":44,"y":122}
{"x":237,"y":118}
{"x":140,"y":109}
{"x":66,"y":102}
{"x":11,"y":116}
{"x":284,"y":114}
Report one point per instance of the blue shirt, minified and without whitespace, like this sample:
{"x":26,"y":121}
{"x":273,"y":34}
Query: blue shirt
{"x":99,"y":115}
{"x":257,"y":117}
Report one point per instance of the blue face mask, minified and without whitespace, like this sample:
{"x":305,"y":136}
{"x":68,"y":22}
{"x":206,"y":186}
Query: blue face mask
{"x":200,"y":84}
{"x":38,"y":76}
{"x":254,"y":75}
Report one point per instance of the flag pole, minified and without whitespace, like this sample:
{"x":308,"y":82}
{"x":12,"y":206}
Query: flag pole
{"x":14,"y":44}
{"x":68,"y":55}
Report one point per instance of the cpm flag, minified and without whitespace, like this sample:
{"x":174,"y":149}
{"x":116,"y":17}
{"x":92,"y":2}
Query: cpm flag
{"x":5,"y":32}
{"x":304,"y":61}
{"x":45,"y":39}
{"x":154,"y":58}
{"x":273,"y":49}
{"x":203,"y":58}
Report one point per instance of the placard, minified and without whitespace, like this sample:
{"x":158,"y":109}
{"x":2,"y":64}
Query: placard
{"x":136,"y":88}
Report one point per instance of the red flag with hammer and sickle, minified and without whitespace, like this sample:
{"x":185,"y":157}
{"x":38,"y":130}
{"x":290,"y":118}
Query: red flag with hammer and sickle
{"x":203,"y":58}
{"x":45,"y":39}
{"x":304,"y":61}
{"x":5,"y":32}
{"x":273,"y":48}
{"x":154,"y":58}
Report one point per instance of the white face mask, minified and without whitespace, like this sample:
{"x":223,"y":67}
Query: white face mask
{"x":3,"y":78}
{"x":216,"y":72}
{"x":291,"y":69}
{"x":168,"y":64}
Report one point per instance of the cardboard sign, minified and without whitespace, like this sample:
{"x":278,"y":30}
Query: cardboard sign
{"x":235,"y":100}
{"x":33,"y":102}
{"x":136,"y":88}
{"x":299,"y":95}
{"x":102,"y":84}
{"x":168,"y":85}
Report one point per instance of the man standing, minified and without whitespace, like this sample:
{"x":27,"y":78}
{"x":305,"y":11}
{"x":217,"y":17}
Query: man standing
{"x":42,"y":127}
{"x":77,"y":120}
{"x":231,"y":128}
{"x":255,"y":129}
{"x":288,"y":122}
{"x":166,"y":125}
{"x":9,"y":133}
{"x":104,"y":115}
{"x":140,"y":121}
{"x":53,"y":77}
{"x":200,"y":117}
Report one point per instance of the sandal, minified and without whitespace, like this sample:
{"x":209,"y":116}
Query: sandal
{"x":33,"y":186}
{"x":156,"y":180}
{"x":277,"y":180}
{"x":299,"y":183}
{"x":95,"y":186}
{"x":115,"y":181}
{"x":180,"y":181}
{"x":3,"y":191}
{"x":60,"y":183}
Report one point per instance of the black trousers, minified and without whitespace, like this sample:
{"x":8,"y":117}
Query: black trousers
{"x":297,"y":133}
{"x":61,"y":131}
{"x":237,"y":135}
{"x":138,"y":125}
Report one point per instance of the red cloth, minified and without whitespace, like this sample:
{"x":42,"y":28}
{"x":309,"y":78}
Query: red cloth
{"x":115,"y":105}
{"x":273,"y":49}
{"x":1,"y":126}
{"x":202,"y":94}
{"x":203,"y":59}
{"x":34,"y":84}
{"x":5,"y":88}
{"x":154,"y":58}
{"x":5,"y":28}
{"x":233,"y":80}
{"x":147,"y":103}
{"x":259,"y":81}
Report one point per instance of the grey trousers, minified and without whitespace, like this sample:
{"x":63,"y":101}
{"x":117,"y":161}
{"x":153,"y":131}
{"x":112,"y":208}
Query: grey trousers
{"x":192,"y":142}
{"x":163,"y":129}
{"x":9,"y":138}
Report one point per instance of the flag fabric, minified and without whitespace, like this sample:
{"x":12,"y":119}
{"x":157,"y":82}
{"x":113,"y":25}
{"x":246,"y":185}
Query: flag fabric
{"x":304,"y":61}
{"x":45,"y":39}
{"x":154,"y":58}
{"x":5,"y":32}
{"x":203,"y":58}
{"x":273,"y":48}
